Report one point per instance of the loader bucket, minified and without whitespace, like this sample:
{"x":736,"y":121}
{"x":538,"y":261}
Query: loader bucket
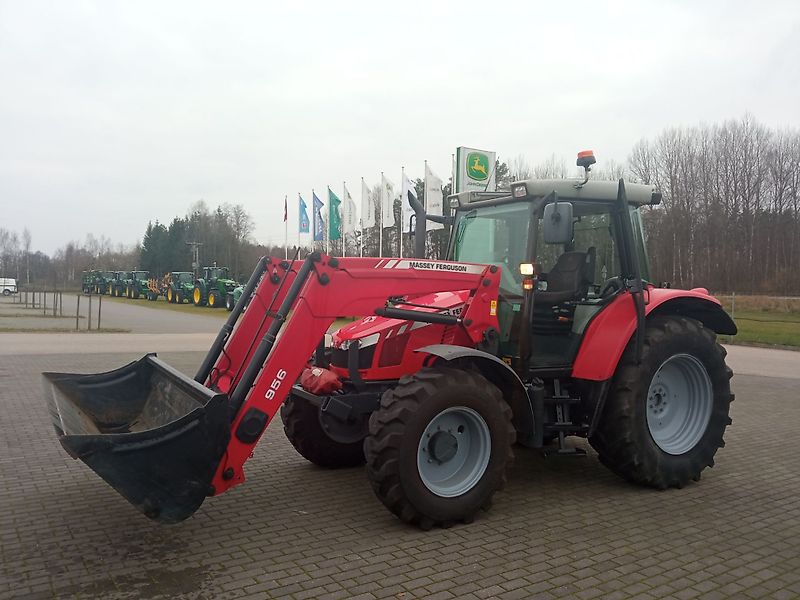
{"x":154,"y":435}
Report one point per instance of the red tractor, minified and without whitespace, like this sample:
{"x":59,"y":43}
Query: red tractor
{"x":541,"y":325}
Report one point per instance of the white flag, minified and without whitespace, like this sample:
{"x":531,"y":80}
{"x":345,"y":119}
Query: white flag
{"x":407,"y":188}
{"x":367,"y":207}
{"x":434,"y":201}
{"x":350,"y":222}
{"x":387,"y":202}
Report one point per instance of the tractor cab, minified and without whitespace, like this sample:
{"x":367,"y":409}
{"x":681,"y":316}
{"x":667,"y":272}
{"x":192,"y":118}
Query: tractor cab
{"x":561,"y":246}
{"x":212,"y":273}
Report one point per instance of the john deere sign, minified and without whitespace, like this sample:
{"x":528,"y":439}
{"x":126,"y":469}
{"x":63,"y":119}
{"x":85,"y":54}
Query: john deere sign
{"x":474,"y":170}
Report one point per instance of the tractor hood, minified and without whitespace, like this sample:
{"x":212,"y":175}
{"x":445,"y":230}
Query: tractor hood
{"x":368,"y":330}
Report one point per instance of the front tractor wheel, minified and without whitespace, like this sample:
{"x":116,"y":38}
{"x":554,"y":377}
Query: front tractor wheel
{"x":665,"y":418}
{"x":170,"y":296}
{"x":302,"y":427}
{"x":439,"y":446}
{"x":213,"y":299}
{"x":230,"y":303}
{"x":197,"y":297}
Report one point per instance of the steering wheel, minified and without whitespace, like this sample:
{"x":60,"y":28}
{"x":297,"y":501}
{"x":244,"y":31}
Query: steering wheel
{"x":611,"y":287}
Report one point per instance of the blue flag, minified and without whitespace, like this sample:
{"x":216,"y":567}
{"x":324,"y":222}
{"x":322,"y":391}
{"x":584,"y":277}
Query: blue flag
{"x":319,"y":223}
{"x":303,"y":215}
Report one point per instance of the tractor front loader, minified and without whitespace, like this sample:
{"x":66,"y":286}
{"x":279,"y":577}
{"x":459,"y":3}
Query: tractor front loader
{"x":541,"y":326}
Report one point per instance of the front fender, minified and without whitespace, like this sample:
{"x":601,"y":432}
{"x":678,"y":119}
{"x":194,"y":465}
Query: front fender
{"x":609,"y":332}
{"x":500,"y":374}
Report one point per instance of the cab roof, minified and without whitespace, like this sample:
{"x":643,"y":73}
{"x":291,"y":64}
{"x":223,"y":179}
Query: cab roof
{"x":569,"y":190}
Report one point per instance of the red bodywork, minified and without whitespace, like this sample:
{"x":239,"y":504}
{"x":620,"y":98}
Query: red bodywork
{"x":359,"y":286}
{"x":610,"y":331}
{"x":396,"y":339}
{"x":354,"y":286}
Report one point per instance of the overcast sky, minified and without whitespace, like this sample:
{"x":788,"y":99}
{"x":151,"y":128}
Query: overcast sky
{"x":116,"y":113}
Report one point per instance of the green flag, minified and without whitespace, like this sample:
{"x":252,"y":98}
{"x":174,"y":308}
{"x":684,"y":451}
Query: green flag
{"x":334,"y":218}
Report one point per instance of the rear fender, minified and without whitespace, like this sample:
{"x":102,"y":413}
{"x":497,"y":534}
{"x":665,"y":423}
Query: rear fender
{"x":499,"y":373}
{"x":610,"y":331}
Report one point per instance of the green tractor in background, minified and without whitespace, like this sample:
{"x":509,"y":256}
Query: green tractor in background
{"x":103,"y":282}
{"x":119,"y":283}
{"x":212,"y":287}
{"x":87,"y":281}
{"x":231,"y":298}
{"x":136,"y":286}
{"x":179,"y":286}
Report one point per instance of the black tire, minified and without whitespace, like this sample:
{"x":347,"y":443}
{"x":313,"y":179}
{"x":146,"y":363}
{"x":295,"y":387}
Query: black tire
{"x":213,"y":299}
{"x":623,"y":438}
{"x":178,"y":298}
{"x":136,"y":293}
{"x":198,"y":298}
{"x":303,"y":429}
{"x":229,"y":302}
{"x":395,"y":434}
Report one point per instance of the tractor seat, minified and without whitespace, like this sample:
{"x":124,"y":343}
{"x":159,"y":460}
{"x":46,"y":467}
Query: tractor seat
{"x":569,"y":279}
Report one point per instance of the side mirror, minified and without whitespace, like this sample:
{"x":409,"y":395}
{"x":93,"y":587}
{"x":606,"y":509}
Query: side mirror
{"x":558,"y":223}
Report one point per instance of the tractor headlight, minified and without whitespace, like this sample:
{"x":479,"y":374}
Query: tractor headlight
{"x":526,"y":269}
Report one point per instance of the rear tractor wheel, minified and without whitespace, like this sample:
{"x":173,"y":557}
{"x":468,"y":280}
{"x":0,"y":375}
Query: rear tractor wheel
{"x":301,"y":424}
{"x":136,"y":293}
{"x":665,"y":418}
{"x":439,"y":446}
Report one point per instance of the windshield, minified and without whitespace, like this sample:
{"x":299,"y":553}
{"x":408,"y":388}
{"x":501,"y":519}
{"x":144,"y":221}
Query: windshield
{"x":219,"y":273}
{"x":140,"y":274}
{"x":495,"y":235}
{"x":185,"y":277}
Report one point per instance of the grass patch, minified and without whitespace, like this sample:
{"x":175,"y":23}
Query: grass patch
{"x":763,"y":327}
{"x":162,"y":304}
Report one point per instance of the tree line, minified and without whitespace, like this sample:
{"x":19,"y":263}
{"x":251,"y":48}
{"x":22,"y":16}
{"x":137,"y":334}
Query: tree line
{"x":729,"y":219}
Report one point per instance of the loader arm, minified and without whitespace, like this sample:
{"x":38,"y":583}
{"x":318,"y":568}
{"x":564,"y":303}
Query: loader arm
{"x":323,"y":289}
{"x":165,"y":441}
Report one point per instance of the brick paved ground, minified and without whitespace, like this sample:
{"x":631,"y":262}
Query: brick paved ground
{"x":561,"y":529}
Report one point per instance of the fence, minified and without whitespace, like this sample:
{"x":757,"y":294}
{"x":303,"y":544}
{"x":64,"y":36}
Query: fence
{"x":89,"y":313}
{"x":40,"y":299}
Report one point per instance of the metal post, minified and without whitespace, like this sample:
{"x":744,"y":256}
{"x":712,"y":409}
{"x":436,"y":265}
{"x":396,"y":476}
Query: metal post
{"x":61,"y":303}
{"x":733,"y":306}
{"x":77,"y":312}
{"x":55,"y":303}
{"x":43,"y":296}
{"x":89,"y":328}
{"x":99,"y":310}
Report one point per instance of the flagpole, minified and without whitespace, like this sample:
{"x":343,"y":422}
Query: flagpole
{"x":380,"y":229}
{"x":361,"y":220}
{"x":326,"y":229}
{"x":286,"y":226}
{"x":424,"y":202}
{"x":346,"y":211}
{"x":402,"y":216}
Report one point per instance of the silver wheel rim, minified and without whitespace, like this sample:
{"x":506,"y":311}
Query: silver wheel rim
{"x":454,"y":451}
{"x":679,"y":403}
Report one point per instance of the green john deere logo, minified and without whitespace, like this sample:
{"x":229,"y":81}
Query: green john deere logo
{"x":477,"y":166}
